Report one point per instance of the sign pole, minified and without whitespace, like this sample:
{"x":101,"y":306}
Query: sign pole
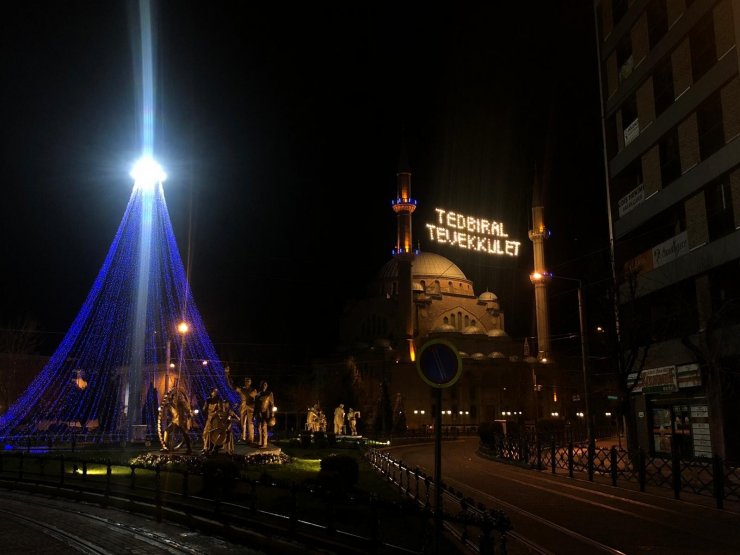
{"x":440,"y":366}
{"x":438,"y":471}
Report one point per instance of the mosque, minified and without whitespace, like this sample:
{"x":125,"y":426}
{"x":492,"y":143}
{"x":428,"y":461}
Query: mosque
{"x":420,"y":296}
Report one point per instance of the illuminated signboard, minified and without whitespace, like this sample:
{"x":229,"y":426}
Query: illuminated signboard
{"x":473,"y":234}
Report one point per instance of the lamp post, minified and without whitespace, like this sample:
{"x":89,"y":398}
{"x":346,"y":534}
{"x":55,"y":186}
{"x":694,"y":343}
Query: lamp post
{"x":538,"y":277}
{"x":182,"y":328}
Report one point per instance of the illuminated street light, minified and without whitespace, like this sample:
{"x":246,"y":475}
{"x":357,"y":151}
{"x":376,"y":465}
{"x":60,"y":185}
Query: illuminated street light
{"x":539,"y":277}
{"x":183,"y":328}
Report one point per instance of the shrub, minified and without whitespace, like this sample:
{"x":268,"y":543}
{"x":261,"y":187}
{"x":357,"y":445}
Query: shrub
{"x":219,"y":472}
{"x":305,"y":439}
{"x":338,"y":472}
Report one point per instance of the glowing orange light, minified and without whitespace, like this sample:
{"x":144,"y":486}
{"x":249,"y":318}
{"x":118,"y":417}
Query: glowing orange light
{"x":183,"y":328}
{"x":412,"y":351}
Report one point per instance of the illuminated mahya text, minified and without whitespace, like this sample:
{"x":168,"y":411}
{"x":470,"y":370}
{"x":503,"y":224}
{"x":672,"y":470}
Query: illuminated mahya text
{"x":469,"y":233}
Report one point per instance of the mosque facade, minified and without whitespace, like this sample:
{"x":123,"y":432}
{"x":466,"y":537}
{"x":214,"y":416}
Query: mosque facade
{"x":419,"y":296}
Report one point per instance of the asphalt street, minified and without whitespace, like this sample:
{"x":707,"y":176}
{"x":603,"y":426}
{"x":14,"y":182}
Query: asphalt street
{"x":557,"y":514}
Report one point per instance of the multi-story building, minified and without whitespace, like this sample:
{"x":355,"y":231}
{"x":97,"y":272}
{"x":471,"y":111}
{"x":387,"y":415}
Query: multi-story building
{"x":670,"y":85}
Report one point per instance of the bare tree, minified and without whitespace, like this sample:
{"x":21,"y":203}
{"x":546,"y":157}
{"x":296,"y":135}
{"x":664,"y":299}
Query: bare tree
{"x":17,"y":341}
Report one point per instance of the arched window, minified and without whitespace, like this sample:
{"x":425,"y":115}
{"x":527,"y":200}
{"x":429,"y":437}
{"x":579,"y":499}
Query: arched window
{"x":446,"y":320}
{"x":467,"y":321}
{"x":459,"y":320}
{"x":452,"y":319}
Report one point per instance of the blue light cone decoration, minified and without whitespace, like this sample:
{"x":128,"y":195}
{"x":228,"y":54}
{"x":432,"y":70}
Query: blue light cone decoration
{"x":108,"y":374}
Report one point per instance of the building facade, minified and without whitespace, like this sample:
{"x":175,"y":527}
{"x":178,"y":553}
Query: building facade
{"x":670,"y":86}
{"x":418,"y":296}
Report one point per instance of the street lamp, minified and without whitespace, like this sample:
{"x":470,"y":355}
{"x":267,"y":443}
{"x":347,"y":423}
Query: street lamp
{"x":538,"y":277}
{"x":182,"y":328}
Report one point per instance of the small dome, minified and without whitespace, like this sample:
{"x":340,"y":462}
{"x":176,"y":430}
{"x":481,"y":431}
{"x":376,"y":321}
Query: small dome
{"x":416,"y":286}
{"x":478,"y":356}
{"x":463,"y":354}
{"x":496,"y":333}
{"x":487,"y":297}
{"x":497,"y":354}
{"x":445,"y":328}
{"x":472,"y":330}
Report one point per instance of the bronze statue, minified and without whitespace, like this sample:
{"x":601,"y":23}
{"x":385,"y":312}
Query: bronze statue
{"x":246,"y":409}
{"x":212,"y":409}
{"x":339,"y":419}
{"x":312,"y":419}
{"x":352,"y":416}
{"x":176,"y":406}
{"x":265,"y":402}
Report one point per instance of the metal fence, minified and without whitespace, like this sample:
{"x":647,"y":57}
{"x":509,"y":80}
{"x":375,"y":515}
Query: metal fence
{"x":477,"y":527}
{"x":712,"y":477}
{"x":228,"y":504}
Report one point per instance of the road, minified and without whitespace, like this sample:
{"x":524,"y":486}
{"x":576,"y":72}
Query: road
{"x":555,"y":514}
{"x":40,"y":524}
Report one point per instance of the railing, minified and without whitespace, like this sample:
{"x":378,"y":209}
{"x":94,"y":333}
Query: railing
{"x":462,"y":516}
{"x":699,"y":476}
{"x":227,"y":503}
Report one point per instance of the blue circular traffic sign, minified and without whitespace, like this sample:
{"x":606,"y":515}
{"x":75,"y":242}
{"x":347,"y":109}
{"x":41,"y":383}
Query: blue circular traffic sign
{"x":439,"y":363}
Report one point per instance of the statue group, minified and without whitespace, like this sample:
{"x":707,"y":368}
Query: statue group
{"x":316,"y":420}
{"x":176,"y":417}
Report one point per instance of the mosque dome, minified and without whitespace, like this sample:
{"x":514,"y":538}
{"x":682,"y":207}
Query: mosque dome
{"x":472,"y":330}
{"x":496,"y":332}
{"x":487,"y":297}
{"x":497,"y":354}
{"x":425,"y":265}
{"x":445,"y":328}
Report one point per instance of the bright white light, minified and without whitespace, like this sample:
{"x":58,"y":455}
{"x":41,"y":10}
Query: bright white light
{"x":147,"y":173}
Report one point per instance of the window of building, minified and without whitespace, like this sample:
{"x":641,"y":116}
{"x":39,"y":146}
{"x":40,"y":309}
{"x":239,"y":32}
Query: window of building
{"x":703,"y":49}
{"x":657,"y":18}
{"x":619,"y":8}
{"x":626,"y":187}
{"x":625,"y":60}
{"x":659,"y":228}
{"x":670,"y":158}
{"x":670,"y":312}
{"x":720,"y":215}
{"x":724,"y":287}
{"x":663,"y":85}
{"x":630,"y":123}
{"x":709,"y":122}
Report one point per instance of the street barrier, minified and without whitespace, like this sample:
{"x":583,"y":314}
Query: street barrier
{"x":699,"y":476}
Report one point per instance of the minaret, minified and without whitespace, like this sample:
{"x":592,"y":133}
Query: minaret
{"x":404,"y":206}
{"x":540,"y":277}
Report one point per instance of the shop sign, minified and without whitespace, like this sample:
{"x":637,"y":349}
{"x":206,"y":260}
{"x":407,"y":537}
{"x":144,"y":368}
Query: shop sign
{"x":631,"y":199}
{"x":656,"y":381}
{"x":670,"y":250}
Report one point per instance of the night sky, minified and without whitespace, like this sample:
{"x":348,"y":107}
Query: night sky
{"x":280,"y":130}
